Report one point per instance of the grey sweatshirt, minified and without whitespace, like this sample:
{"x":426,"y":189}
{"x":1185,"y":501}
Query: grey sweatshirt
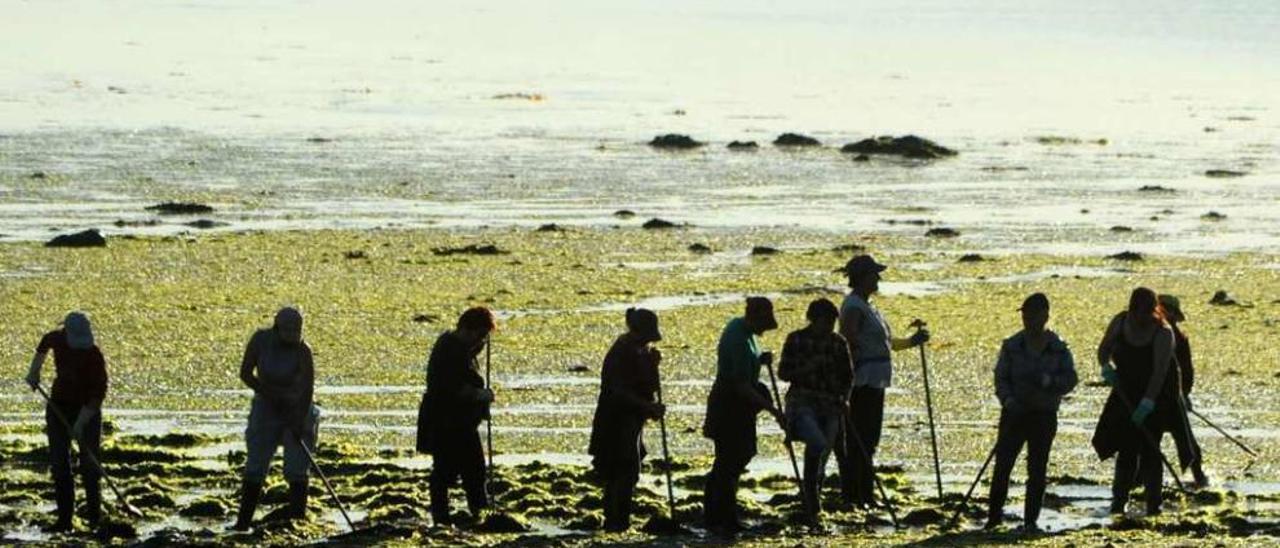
{"x":1036,"y":381}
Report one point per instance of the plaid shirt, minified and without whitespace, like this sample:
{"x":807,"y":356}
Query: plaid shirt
{"x":818,"y":367}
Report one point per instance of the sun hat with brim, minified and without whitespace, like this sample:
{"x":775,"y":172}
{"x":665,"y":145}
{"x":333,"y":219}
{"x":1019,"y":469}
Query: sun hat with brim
{"x":79,"y":331}
{"x":645,"y":323}
{"x":762,"y":308}
{"x":1171,"y":304}
{"x":862,"y":264}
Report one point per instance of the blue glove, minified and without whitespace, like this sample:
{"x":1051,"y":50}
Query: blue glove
{"x":920,"y":337}
{"x":1109,"y":375}
{"x":1145,"y":407}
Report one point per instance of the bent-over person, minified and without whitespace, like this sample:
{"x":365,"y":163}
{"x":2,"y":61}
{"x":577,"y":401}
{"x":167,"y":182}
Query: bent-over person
{"x":279,"y":368}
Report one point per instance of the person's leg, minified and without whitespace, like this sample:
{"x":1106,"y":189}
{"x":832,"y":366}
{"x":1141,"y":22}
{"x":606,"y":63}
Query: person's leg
{"x":713,"y":490}
{"x":849,"y":460}
{"x":1009,"y":439}
{"x":1122,"y":482}
{"x":91,"y":475}
{"x":297,"y":466}
{"x":64,"y":494}
{"x":624,"y":479}
{"x":444,"y":472}
{"x":262,"y":437}
{"x":1197,"y":465}
{"x":807,"y":428}
{"x":869,"y":412}
{"x":472,"y":469}
{"x":1151,"y":468}
{"x":1042,"y":428}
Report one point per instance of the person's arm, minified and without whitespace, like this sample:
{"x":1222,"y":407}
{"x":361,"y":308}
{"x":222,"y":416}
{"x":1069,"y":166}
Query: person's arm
{"x":33,"y":372}
{"x":1186,"y":369}
{"x":249,"y":364}
{"x":844,"y":364}
{"x":849,"y":325}
{"x":793,"y":366}
{"x":1163,"y":354}
{"x":95,"y":383}
{"x":1107,"y":345}
{"x":308,"y":378}
{"x":1003,"y":376}
{"x":1065,"y":378}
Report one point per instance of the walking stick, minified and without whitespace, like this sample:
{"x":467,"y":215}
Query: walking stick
{"x":88,"y":455}
{"x":786,"y":437}
{"x":919,"y":324}
{"x":956,"y":517}
{"x":866,"y":458}
{"x":311,"y":459}
{"x":666,"y":454}
{"x":1238,"y":443}
{"x":1151,"y":441}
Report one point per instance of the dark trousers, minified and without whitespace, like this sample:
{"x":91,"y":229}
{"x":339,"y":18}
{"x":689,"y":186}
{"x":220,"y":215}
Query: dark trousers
{"x":619,"y":479}
{"x":457,"y":455}
{"x":1141,"y":460}
{"x":1035,"y":429}
{"x":60,"y":462}
{"x":720,"y":498}
{"x":857,"y":462}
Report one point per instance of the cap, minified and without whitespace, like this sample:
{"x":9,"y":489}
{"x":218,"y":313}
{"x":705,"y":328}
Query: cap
{"x":862,"y":264}
{"x":79,"y":331}
{"x":644,"y":322}
{"x":1170,"y":303}
{"x":1035,"y":301}
{"x":762,"y":308}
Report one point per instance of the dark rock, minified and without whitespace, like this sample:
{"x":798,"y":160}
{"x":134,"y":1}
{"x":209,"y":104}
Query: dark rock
{"x":658,"y":224}
{"x":674,"y":141}
{"x":909,"y":146}
{"x":205,"y":224}
{"x":356,"y":254}
{"x":1213,"y":216}
{"x":862,"y":158}
{"x":1155,"y":188}
{"x":764,"y":250}
{"x":999,"y":169}
{"x":701,"y":249}
{"x":39,"y":175}
{"x":1084,"y":211}
{"x":319,"y":140}
{"x":117,"y":90}
{"x":551,"y":227}
{"x":1054,"y":140}
{"x":1126,"y":256}
{"x":121,"y":223}
{"x":849,"y":248}
{"x":795,"y":140}
{"x":471,"y":249}
{"x":579,"y":368}
{"x":113,"y":530}
{"x":1224,"y":173}
{"x":942,"y":232}
{"x":504,"y":523}
{"x":180,"y":208}
{"x":971,"y":258}
{"x":923,"y":517}
{"x":624,"y":214}
{"x":912,"y":222}
{"x":1121,"y":228}
{"x":87,"y":238}
{"x":743,"y":145}
{"x":1222,"y":298}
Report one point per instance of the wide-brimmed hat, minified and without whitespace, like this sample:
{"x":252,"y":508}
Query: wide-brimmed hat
{"x":862,"y":264}
{"x":79,"y":331}
{"x":762,"y":308}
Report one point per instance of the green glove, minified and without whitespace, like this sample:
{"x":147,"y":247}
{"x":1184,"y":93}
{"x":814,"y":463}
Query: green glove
{"x":1145,"y":407}
{"x":1109,"y":375}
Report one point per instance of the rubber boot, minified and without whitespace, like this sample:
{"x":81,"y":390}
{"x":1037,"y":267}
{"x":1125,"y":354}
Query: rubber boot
{"x":65,"y":497}
{"x":93,"y":502}
{"x":298,"y":500}
{"x":250,"y":492}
